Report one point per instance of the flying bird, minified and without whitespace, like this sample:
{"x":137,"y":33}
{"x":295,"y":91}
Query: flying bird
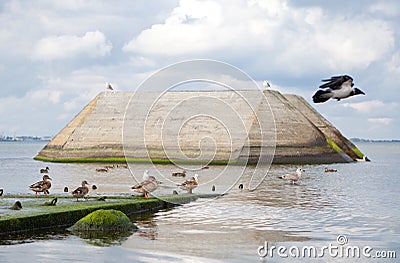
{"x":293,"y":176}
{"x":337,"y":87}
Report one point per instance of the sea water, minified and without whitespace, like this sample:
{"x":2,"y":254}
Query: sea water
{"x":323,"y":217}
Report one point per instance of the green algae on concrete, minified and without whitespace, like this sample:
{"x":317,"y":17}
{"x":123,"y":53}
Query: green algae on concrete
{"x":334,"y":145}
{"x":125,"y":160}
{"x":104,"y":220}
{"x":358,"y":152}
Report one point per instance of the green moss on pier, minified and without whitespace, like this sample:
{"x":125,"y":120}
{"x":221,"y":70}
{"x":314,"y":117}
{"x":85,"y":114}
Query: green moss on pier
{"x":104,"y":220}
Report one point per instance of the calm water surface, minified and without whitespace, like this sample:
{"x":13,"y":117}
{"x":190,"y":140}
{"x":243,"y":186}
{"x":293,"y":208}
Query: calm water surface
{"x":359,"y":201}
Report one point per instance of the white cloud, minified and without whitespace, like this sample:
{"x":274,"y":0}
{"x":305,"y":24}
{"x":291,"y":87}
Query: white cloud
{"x":386,"y":8}
{"x":185,"y":31}
{"x":92,"y":44}
{"x":385,"y":121}
{"x":45,"y":95}
{"x":394,"y":64}
{"x":370,"y":106}
{"x":50,"y":52}
{"x":297,"y":39}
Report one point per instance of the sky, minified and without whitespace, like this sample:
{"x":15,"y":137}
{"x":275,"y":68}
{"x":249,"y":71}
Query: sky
{"x":56,"y":56}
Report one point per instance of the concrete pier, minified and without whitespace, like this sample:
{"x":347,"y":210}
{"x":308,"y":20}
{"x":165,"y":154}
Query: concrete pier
{"x":34,"y":215}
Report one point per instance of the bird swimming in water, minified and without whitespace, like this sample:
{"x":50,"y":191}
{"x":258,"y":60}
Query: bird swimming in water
{"x":327,"y":170}
{"x":179,"y":174}
{"x":337,"y":87}
{"x":45,"y":170}
{"x":294,"y":177}
{"x":190,"y":184}
{"x":41,"y":186}
{"x":81,"y":191}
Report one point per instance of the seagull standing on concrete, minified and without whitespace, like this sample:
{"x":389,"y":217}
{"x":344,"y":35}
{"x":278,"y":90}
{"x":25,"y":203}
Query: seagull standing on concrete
{"x":109,"y":87}
{"x":294,"y":177}
{"x":337,"y":87}
{"x":266,"y":84}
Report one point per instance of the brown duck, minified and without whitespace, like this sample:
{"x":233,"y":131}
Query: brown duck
{"x":81,"y":191}
{"x":190,"y":184}
{"x":41,"y":186}
{"x":147,"y":186}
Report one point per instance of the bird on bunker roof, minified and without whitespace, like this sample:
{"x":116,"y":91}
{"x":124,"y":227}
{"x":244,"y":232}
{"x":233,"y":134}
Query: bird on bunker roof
{"x":266,"y":84}
{"x":108,"y":86}
{"x":337,"y":87}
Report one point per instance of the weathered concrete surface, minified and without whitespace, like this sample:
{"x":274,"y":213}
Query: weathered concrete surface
{"x":181,"y":126}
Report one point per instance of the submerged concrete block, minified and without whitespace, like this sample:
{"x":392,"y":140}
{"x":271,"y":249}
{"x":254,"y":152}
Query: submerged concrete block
{"x":199,"y":127}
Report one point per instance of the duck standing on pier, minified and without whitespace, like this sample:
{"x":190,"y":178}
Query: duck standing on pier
{"x":190,"y":184}
{"x":81,"y":191}
{"x":148,"y":185}
{"x":42,"y":186}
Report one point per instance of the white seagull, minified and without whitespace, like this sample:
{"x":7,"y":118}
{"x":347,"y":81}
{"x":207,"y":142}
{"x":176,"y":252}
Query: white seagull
{"x":337,"y":87}
{"x":266,"y":84}
{"x":293,"y":176}
{"x":108,"y":86}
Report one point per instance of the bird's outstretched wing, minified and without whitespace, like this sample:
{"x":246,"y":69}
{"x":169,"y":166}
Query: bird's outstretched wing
{"x":336,"y":82}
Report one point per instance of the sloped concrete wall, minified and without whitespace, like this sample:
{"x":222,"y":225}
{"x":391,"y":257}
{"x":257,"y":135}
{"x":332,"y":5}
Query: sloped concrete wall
{"x":160,"y":127}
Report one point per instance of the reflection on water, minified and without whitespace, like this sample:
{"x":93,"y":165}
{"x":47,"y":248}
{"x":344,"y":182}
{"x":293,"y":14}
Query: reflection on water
{"x":103,"y":238}
{"x":359,"y":200}
{"x":33,"y":236}
{"x":147,"y":226}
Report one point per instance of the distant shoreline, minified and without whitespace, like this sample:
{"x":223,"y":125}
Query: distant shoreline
{"x":355,"y":140}
{"x":24,"y":140}
{"x":48,"y":139}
